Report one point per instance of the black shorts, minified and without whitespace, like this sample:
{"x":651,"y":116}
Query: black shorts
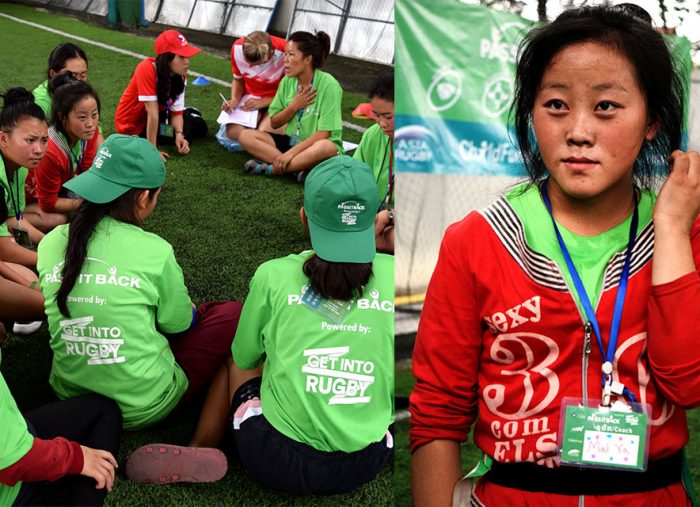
{"x":282,"y":141}
{"x":278,"y":462}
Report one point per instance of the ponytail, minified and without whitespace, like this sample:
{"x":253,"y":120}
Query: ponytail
{"x":318,"y":46}
{"x":168,"y":85}
{"x":257,"y":47}
{"x":337,"y":280}
{"x":80,"y":230}
{"x":19,"y":103}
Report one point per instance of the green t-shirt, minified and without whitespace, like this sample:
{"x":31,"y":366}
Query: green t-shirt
{"x":14,"y":193}
{"x":375,"y":151}
{"x":15,"y":439}
{"x":129,"y":292}
{"x":42,"y":98}
{"x":590,"y":254}
{"x":327,"y":384}
{"x":323,"y":114}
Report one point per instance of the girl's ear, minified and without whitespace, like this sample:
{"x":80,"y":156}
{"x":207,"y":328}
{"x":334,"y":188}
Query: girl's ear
{"x":143,"y":199}
{"x":652,"y":130}
{"x":4,"y":139}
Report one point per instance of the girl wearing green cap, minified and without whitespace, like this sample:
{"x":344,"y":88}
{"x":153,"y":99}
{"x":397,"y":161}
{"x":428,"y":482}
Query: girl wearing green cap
{"x":121,"y":321}
{"x":311,"y":383}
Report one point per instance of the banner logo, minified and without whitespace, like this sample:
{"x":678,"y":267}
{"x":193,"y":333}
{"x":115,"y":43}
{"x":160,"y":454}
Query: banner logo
{"x":445,"y":90}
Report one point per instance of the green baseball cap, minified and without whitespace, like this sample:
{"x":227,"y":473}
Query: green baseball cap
{"x":121,"y":163}
{"x":341,"y":203}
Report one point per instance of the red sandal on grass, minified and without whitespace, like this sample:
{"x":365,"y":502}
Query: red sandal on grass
{"x":165,"y":463}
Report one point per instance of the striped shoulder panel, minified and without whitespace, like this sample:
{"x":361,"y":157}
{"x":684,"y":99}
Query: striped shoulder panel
{"x":58,"y":140}
{"x":641,"y":254}
{"x":505,"y":223}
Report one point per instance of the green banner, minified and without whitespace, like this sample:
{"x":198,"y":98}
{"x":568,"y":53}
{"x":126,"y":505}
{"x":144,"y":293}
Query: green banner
{"x":454,"y":85}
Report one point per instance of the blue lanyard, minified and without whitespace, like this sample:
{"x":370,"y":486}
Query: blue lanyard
{"x":586,"y":302}
{"x":78,"y":161}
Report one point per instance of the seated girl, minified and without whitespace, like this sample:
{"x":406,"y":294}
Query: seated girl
{"x":314,"y":420}
{"x":66,"y":57}
{"x":23,"y":139}
{"x":376,"y":148}
{"x":70,"y":151}
{"x":257,"y":61}
{"x":121,"y":321}
{"x":44,"y":444}
{"x":308,"y":101}
{"x":153,"y":104}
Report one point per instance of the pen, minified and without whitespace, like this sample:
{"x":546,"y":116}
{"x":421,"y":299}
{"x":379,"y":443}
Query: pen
{"x":222,"y":97}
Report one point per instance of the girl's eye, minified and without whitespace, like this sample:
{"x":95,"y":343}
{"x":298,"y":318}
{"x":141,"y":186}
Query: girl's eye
{"x":555,"y":104}
{"x":606,"y":107}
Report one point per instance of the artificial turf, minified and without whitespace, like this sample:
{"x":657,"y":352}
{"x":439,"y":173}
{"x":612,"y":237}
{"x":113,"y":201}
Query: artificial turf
{"x":222,"y":224}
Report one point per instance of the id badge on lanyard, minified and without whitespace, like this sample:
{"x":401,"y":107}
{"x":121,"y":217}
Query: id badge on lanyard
{"x":19,"y":233}
{"x":613,"y":431}
{"x":165,"y":129}
{"x":331,"y":309}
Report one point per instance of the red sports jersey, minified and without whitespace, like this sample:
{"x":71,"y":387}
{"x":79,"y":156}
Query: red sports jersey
{"x":130,"y":117}
{"x":45,"y":182}
{"x":260,"y":80}
{"x":501,"y":336}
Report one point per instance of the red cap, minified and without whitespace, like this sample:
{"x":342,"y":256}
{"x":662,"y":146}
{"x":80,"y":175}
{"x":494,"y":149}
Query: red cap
{"x":172,"y":41}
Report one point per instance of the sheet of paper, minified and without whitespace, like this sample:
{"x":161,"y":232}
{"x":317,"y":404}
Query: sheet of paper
{"x":246,"y":118}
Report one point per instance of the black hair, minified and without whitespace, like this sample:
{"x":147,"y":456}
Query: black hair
{"x":337,"y":280}
{"x":168,"y":85}
{"x":627,"y":29}
{"x":19,"y":104}
{"x":318,"y":46}
{"x":80,"y":230}
{"x":67,"y":92}
{"x":383,"y":87}
{"x":61,"y":54}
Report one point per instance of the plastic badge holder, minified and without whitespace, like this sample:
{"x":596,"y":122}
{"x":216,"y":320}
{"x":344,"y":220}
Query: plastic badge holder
{"x":615,"y":437}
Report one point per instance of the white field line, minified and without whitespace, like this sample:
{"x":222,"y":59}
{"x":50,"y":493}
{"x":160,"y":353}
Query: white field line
{"x":401,"y":415}
{"x":115,"y":49}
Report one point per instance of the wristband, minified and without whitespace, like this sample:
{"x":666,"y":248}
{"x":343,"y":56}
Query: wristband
{"x":179,"y":132}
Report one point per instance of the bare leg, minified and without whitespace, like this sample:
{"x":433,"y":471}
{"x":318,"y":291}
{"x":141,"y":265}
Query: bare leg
{"x":42,"y":220}
{"x":310,"y":157}
{"x":212,"y":421}
{"x":259,"y":144}
{"x":20,"y":303}
{"x":233,"y":131}
{"x":214,"y":417}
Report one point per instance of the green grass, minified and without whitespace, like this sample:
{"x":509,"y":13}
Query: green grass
{"x":221,"y":223}
{"x":471,"y":454}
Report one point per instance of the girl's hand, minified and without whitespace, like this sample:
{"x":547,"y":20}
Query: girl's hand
{"x":304,"y":97}
{"x":279,"y":166}
{"x":164,"y":156}
{"x":252,"y":105}
{"x":183,"y":147}
{"x":100,"y":466}
{"x":228,"y":105}
{"x":678,"y":203}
